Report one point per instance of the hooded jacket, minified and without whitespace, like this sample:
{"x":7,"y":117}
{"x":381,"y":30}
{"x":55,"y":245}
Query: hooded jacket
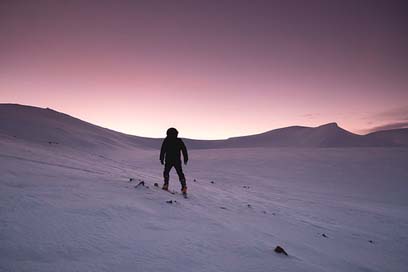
{"x":172,"y":147}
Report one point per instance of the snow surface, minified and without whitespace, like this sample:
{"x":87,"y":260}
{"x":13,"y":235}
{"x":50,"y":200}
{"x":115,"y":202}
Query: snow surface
{"x":71,"y":209}
{"x":66,"y":203}
{"x":38,"y":125}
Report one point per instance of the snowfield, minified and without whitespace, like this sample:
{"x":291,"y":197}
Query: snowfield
{"x":68,"y":201}
{"x":332,"y":209}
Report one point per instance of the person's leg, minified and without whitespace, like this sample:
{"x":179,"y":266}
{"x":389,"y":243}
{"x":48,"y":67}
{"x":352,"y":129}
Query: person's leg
{"x":166,"y":175}
{"x":180,"y":174}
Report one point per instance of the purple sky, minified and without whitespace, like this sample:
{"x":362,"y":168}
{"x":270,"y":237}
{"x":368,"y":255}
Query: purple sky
{"x":213,"y":69}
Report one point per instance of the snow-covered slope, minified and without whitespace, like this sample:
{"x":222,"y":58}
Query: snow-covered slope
{"x":394,"y":137}
{"x":330,"y":209}
{"x":71,"y":207}
{"x":49,"y":126}
{"x":329,"y":135}
{"x":37,"y":125}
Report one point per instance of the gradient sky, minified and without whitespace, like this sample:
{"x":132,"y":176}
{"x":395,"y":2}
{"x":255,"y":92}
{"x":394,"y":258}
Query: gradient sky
{"x":213,"y":69}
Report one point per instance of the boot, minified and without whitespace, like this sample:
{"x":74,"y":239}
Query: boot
{"x":165,"y":186}
{"x":184,"y":190}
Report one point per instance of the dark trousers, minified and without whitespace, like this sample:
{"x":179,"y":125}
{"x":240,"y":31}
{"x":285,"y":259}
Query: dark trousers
{"x":179,"y":170}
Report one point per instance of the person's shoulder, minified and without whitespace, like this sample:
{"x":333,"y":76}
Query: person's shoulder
{"x":181,"y":142}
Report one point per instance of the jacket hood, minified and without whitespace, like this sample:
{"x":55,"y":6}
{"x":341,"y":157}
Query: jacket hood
{"x":172,"y":133}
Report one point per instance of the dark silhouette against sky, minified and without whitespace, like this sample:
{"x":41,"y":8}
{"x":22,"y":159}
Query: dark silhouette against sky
{"x":170,"y":156}
{"x":228,"y":67}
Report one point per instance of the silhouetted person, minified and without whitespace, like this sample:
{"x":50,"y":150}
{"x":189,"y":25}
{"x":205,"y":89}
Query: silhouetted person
{"x":170,"y":157}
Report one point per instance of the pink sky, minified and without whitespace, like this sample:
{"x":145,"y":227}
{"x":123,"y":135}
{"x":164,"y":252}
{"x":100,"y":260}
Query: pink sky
{"x":211,"y":69}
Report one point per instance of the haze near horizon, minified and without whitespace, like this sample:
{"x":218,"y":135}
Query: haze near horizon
{"x":212,"y":69}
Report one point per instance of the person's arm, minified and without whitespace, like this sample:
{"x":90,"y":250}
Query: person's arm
{"x":184,"y":151}
{"x":163,"y":151}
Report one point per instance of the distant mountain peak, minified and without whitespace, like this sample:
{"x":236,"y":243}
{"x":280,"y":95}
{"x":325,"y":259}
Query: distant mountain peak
{"x":329,"y":125}
{"x":45,"y":125}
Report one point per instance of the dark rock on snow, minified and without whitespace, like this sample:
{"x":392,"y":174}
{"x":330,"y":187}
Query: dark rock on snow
{"x":280,"y":250}
{"x":140,"y":184}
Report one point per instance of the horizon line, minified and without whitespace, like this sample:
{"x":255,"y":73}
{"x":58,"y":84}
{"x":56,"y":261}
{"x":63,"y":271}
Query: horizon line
{"x":198,"y":139}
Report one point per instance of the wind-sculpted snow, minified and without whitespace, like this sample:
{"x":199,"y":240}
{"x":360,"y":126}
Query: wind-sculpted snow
{"x":72,"y":209}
